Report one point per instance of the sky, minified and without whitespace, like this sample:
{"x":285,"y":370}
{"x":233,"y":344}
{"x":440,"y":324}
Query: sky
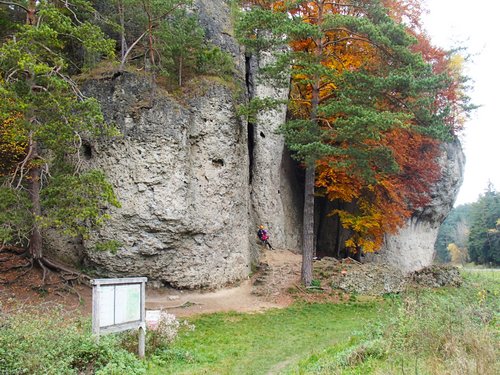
{"x":474,"y":25}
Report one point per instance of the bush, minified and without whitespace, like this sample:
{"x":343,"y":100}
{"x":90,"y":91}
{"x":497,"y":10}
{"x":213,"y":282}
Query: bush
{"x":52,"y":342}
{"x":165,"y":332}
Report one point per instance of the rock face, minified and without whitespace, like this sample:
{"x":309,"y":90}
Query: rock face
{"x":193,"y":178}
{"x":276,"y":190}
{"x":181,"y":175}
{"x":412,"y":248}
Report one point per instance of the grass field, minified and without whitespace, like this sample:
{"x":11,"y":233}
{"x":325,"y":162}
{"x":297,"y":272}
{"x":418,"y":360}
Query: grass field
{"x":443,"y":331}
{"x":267,"y":342}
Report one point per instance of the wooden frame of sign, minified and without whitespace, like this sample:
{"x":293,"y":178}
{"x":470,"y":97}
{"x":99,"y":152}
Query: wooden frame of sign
{"x":120,"y":305}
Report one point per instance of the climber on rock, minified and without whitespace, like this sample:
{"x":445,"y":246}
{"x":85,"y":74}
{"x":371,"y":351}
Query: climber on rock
{"x":263,"y":236}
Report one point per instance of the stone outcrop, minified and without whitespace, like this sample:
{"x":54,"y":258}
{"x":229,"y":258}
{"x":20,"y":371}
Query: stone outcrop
{"x":180,"y":173}
{"x":194,"y":179}
{"x":275,"y":188}
{"x":412,"y":248}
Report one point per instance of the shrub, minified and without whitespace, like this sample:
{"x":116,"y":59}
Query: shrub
{"x":165,"y":332}
{"x":46,"y":341}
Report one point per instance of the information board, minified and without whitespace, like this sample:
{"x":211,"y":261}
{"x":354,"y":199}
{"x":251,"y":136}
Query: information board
{"x":118,"y":304}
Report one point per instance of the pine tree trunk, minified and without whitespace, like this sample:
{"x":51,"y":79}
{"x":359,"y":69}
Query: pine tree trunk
{"x":31,"y":18}
{"x":308,"y":249}
{"x":123,"y":41}
{"x":180,"y":71}
{"x":35,"y":246}
{"x":308,"y":229}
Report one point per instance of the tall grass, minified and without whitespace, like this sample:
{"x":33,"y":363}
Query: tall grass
{"x":446,"y":331}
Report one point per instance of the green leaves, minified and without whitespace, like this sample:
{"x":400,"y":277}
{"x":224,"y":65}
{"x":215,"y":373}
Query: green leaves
{"x":75,"y":204}
{"x":15,"y":217}
{"x":46,"y":117}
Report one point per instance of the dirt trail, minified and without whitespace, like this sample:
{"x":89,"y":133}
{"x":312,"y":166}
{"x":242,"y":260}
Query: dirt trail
{"x":279,"y":270}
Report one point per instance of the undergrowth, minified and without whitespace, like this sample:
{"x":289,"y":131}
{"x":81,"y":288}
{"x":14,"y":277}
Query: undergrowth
{"x":33,"y":341}
{"x":445,"y":331}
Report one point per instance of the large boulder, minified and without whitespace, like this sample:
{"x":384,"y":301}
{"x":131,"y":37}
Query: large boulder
{"x":181,"y":174}
{"x":412,"y":248}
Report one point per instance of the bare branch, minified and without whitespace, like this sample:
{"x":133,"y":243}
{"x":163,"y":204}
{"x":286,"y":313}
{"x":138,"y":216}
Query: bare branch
{"x":124,"y":59}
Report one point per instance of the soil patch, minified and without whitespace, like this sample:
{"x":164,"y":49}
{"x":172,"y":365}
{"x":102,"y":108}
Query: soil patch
{"x":21,"y":285}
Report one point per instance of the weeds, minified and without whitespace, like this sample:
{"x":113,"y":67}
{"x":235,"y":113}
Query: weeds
{"x":444,"y":331}
{"x":53,"y":342}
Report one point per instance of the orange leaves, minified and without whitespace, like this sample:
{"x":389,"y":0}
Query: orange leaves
{"x":384,"y":206}
{"x":336,"y":184}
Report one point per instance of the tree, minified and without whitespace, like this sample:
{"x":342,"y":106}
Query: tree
{"x":355,"y":80}
{"x":45,"y":121}
{"x":457,"y":255}
{"x":455,"y":229}
{"x":484,"y":238}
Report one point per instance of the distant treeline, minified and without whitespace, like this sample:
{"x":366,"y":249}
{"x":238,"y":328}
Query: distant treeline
{"x":471,"y":232}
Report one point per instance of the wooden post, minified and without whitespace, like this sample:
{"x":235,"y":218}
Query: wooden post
{"x":142,"y":341}
{"x":142,"y":328}
{"x":95,"y":311}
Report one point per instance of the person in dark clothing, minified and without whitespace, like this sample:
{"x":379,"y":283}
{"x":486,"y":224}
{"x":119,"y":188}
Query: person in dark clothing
{"x":263,"y":236}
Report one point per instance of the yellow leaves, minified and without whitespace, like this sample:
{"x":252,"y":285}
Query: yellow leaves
{"x":13,"y":142}
{"x":457,"y":255}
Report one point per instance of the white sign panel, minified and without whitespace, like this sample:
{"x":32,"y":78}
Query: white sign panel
{"x":128,"y":303}
{"x":118,"y":304}
{"x":106,"y":306}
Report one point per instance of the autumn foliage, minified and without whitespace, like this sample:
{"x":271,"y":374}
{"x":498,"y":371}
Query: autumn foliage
{"x":13,"y":143}
{"x":386,"y":199}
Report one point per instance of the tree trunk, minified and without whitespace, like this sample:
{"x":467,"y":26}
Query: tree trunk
{"x":35,"y":246}
{"x":31,"y":13}
{"x":121,"y":12}
{"x":180,"y":71}
{"x":308,"y":229}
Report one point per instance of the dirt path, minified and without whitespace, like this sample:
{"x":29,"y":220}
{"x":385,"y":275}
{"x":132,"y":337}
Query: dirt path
{"x":279,"y":270}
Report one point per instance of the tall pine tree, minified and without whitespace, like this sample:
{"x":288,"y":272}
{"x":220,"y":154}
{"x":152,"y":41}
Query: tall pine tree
{"x":342,"y":108}
{"x":48,"y":119}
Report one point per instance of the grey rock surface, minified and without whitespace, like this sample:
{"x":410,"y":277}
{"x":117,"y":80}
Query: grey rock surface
{"x":276,"y":192}
{"x":180,"y":173}
{"x":412,"y":248}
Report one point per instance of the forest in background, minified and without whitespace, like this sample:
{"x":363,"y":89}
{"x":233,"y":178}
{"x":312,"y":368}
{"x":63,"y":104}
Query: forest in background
{"x":471,"y":232}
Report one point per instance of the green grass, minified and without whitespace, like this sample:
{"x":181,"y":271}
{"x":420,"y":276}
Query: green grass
{"x":443,"y":331}
{"x":259,"y":343}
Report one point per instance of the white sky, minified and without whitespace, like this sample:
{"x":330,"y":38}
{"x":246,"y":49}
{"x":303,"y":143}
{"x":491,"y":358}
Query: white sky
{"x":475,"y":25}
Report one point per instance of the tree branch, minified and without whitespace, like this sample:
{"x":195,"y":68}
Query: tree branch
{"x":15,"y":4}
{"x":124,"y":59}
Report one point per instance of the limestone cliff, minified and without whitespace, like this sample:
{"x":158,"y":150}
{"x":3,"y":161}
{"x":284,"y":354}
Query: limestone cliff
{"x":412,"y":248}
{"x":195,"y":180}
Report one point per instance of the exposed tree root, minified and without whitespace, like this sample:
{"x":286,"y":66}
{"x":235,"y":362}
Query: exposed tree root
{"x":44,"y":269}
{"x":66,"y":275}
{"x":12,"y":249}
